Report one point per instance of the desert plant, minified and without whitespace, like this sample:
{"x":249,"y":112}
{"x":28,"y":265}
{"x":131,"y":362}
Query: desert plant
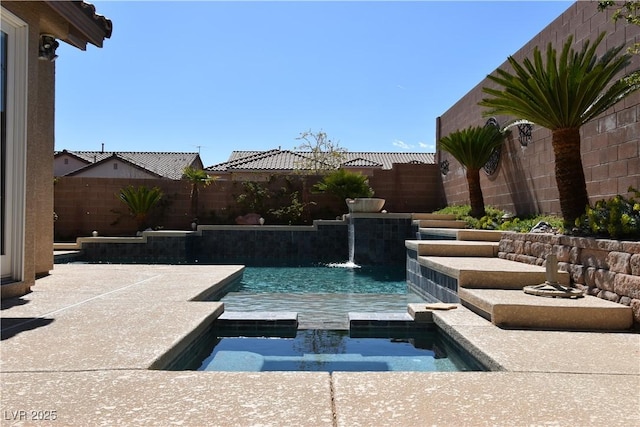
{"x":253,"y":198}
{"x":617,"y":217}
{"x":344,"y":184}
{"x":140,"y":200}
{"x":562,"y":95}
{"x":197,"y":178}
{"x":291,"y":213}
{"x":495,"y":219}
{"x":472,"y":147}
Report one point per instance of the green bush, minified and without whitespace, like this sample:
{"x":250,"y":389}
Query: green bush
{"x":495,"y":220}
{"x":140,"y":200}
{"x":344,"y":184}
{"x":617,"y":217}
{"x":290,"y":214}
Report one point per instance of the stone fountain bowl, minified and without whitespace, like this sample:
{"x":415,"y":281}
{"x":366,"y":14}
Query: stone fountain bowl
{"x":365,"y":204}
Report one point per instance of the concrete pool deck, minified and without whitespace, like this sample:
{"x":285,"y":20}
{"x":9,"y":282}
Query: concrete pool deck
{"x":84,"y":343}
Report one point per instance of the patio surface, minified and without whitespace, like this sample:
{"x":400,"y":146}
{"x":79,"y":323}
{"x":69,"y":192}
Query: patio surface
{"x":84,"y":344}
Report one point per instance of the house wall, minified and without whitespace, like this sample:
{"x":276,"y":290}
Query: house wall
{"x":115,"y":169}
{"x":61,"y":168}
{"x":87,"y":204}
{"x":38,"y":220}
{"x":525,"y":180}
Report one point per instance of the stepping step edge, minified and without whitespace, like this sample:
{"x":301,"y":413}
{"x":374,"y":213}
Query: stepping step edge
{"x":430,"y":223}
{"x":531,"y":312}
{"x":453,"y":248}
{"x":433,"y":216}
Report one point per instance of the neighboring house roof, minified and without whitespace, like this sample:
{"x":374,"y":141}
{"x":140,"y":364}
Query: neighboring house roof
{"x":360,"y":162}
{"x":290,"y":160}
{"x":162,"y":165}
{"x":262,"y":160}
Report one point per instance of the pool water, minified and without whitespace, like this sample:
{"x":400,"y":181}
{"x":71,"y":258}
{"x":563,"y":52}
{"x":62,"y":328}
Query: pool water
{"x":324,"y":279}
{"x":335,"y":350}
{"x":321,"y":295}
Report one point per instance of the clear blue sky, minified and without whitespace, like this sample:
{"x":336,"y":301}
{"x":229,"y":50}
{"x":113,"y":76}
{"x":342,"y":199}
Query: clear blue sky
{"x":224,"y":76}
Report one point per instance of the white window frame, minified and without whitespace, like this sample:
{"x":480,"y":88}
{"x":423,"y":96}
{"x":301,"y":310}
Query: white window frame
{"x":16,"y":122}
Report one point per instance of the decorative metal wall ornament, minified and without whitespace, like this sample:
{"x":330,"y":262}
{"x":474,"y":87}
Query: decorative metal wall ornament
{"x":494,"y":160}
{"x":524,"y":133}
{"x":444,"y":167}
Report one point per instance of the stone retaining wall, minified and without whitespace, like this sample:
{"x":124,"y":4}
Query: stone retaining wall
{"x":608,"y":269}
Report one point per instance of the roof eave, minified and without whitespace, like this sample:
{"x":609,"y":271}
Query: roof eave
{"x":85,"y":25}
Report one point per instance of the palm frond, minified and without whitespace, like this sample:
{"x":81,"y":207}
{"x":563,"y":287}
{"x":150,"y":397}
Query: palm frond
{"x":563,"y":91}
{"x":473,"y":146}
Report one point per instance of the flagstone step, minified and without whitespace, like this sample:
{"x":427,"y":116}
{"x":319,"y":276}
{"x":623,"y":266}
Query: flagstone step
{"x":495,"y":273}
{"x":457,"y":248}
{"x":516,"y":309}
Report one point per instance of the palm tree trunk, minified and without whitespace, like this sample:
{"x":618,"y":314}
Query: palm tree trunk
{"x":475,"y":193}
{"x":194,"y":200}
{"x":570,"y":180}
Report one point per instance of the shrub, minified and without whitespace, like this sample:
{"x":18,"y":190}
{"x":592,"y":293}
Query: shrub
{"x":344,"y":184}
{"x":495,"y":219}
{"x":140,"y":200}
{"x":617,"y":217}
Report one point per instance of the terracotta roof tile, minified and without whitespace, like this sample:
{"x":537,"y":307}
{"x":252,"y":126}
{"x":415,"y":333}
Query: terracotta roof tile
{"x":285,"y":160}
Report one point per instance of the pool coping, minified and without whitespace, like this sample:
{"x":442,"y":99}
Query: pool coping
{"x":53,"y":367}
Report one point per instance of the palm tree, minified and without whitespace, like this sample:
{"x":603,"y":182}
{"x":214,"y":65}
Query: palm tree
{"x":472,"y":147}
{"x":563,"y":95}
{"x":140,"y":200}
{"x":344,"y":184}
{"x":197,"y":178}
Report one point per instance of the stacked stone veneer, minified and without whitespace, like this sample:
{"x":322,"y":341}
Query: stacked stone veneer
{"x":608,"y":269}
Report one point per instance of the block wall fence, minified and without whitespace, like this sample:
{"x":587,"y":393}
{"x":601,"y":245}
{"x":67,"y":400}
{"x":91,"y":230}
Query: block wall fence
{"x":86,"y":204}
{"x":524,"y":182}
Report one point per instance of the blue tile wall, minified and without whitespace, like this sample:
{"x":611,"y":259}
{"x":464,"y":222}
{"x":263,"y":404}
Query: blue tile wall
{"x":431,"y":285}
{"x":379,"y":241}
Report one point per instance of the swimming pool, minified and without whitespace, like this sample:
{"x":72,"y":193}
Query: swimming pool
{"x":320,"y":295}
{"x":335,"y":350}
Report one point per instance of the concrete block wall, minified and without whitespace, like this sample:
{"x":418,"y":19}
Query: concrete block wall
{"x":608,"y":269}
{"x":86,"y":204}
{"x":524,"y":182}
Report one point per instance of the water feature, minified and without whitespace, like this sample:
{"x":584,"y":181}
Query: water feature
{"x":351,"y":239}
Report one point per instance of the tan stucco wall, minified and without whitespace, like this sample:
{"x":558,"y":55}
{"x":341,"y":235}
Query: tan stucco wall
{"x":38,"y":244}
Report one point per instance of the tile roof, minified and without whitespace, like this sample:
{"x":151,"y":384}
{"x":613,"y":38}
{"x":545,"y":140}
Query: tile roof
{"x":166,"y":165}
{"x":282,"y":160}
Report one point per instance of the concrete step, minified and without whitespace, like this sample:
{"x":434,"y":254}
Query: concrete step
{"x":516,"y":309}
{"x":433,"y":216}
{"x":489,"y":273}
{"x":440,"y":223}
{"x":66,"y":246}
{"x":457,"y":248}
{"x":437,"y":233}
{"x":479,"y":235}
